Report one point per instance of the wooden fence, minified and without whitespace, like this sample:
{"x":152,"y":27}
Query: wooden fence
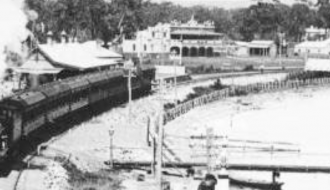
{"x":232,"y":91}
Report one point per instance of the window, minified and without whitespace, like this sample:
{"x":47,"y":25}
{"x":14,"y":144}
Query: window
{"x":145,"y":47}
{"x":134,"y":47}
{"x":153,"y":34}
{"x":165,"y":34}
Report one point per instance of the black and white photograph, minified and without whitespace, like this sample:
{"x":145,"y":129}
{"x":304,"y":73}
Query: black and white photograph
{"x":164,"y":94}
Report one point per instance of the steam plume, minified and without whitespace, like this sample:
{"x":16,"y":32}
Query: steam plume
{"x":12,"y":29}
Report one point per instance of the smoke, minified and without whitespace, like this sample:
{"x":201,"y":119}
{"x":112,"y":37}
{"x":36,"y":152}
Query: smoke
{"x":12,"y":29}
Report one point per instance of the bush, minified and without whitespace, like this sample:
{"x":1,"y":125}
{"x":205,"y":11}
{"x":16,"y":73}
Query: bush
{"x":248,"y":68}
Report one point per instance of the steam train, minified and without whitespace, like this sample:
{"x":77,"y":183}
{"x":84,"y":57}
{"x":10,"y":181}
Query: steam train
{"x":30,"y":110}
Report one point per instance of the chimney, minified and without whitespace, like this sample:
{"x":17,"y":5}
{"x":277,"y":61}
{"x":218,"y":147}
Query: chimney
{"x":63,"y":37}
{"x":50,"y":37}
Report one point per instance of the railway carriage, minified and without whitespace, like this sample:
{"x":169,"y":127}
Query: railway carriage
{"x":26,"y":112}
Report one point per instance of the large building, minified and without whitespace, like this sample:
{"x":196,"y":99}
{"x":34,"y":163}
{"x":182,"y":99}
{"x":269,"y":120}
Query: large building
{"x":190,"y":39}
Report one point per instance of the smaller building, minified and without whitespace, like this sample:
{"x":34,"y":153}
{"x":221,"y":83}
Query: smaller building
{"x":307,"y":48}
{"x":260,"y":48}
{"x":316,"y":34}
{"x":265,"y":48}
{"x":242,"y":49}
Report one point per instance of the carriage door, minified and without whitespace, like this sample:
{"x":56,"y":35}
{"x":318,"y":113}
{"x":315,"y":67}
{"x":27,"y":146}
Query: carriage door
{"x":17,"y":125}
{"x":5,"y":126}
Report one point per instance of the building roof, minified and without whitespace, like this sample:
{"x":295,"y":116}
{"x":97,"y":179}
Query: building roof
{"x":261,"y":44}
{"x":37,"y":65}
{"x":193,"y":23}
{"x":241,"y":43}
{"x":314,"y":44}
{"x":80,"y":56}
{"x":196,"y":32}
{"x":312,"y":29}
{"x":255,"y":44}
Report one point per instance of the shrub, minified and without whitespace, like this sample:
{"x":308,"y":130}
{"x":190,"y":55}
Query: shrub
{"x":248,"y":68}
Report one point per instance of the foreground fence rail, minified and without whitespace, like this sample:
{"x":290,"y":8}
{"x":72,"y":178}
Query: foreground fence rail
{"x":240,"y":90}
{"x":255,"y":167}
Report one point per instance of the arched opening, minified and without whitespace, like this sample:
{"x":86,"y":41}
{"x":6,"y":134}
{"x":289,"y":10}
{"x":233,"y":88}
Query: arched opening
{"x":193,"y":52}
{"x":202,"y":52}
{"x":176,"y":50}
{"x":185,"y":52}
{"x":209,"y":52}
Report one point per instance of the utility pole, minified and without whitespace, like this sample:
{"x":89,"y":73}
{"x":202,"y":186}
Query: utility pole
{"x":111,"y":133}
{"x":281,"y":36}
{"x":174,"y":59}
{"x":181,"y":48}
{"x":209,"y":147}
{"x":160,"y":135}
{"x":129,"y":66}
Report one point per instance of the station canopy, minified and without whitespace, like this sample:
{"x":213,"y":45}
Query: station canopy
{"x":80,"y":56}
{"x":37,"y":65}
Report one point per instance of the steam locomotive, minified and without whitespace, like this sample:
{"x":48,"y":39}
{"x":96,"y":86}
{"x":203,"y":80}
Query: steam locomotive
{"x":25,"y":112}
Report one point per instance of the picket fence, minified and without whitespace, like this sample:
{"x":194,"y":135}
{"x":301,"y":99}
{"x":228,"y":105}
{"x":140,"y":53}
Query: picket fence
{"x":240,"y":90}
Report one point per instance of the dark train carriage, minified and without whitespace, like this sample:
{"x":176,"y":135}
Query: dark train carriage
{"x":28,"y":111}
{"x":20,"y":115}
{"x":33,"y":112}
{"x":80,"y":89}
{"x":8,"y":112}
{"x":116,"y":85}
{"x":99,"y":87}
{"x":58,"y":95}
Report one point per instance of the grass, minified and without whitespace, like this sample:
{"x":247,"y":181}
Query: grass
{"x":224,"y":62}
{"x":203,"y":65}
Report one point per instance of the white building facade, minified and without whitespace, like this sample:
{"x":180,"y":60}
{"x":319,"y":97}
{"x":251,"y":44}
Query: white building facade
{"x":313,"y":48}
{"x":154,"y":40}
{"x":190,"y":39}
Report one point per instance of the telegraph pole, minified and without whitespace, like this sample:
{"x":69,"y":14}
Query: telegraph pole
{"x":209,"y":147}
{"x":111,"y":133}
{"x":129,"y":66}
{"x":174,"y":59}
{"x":160,"y":136}
{"x":281,"y":36}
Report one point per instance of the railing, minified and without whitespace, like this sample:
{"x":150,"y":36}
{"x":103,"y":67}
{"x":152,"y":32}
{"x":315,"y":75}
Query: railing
{"x":185,"y":107}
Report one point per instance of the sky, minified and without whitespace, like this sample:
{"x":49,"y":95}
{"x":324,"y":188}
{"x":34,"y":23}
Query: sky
{"x":218,"y":3}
